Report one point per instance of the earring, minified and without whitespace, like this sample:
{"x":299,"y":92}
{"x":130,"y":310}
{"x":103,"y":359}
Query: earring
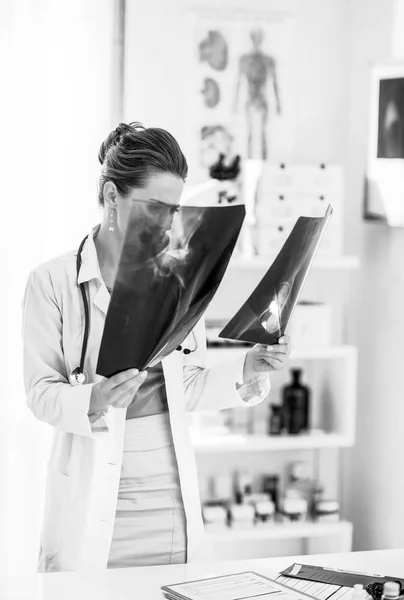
{"x":111,"y":221}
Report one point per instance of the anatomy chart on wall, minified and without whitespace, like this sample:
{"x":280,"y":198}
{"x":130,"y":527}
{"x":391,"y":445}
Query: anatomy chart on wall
{"x":241,"y":88}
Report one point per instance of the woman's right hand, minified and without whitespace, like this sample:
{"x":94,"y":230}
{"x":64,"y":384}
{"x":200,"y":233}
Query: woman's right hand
{"x":118,"y":390}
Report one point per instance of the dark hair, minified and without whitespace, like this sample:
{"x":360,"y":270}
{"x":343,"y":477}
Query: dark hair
{"x":131,"y":153}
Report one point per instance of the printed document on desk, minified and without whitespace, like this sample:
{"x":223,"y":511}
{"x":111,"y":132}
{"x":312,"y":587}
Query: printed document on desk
{"x":239,"y":586}
{"x":325,"y":583}
{"x":315,"y":589}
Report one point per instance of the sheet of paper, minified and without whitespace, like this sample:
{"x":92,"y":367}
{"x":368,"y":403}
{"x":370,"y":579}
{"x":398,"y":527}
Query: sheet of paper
{"x":245,"y":586}
{"x":320,"y":590}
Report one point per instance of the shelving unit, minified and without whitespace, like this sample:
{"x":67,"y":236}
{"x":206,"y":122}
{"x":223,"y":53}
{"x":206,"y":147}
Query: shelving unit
{"x":332,"y":374}
{"x":263,"y":263}
{"x":278,"y":531}
{"x":263,"y":540}
{"x":232,"y":443}
{"x":297,"y":354}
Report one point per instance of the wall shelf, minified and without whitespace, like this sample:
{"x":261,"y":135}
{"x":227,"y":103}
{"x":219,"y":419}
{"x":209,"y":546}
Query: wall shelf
{"x":278,"y":531}
{"x":326,"y":353}
{"x":264,"y":262}
{"x":205,"y":444}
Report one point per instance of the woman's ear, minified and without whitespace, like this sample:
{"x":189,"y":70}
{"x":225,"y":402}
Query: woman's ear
{"x":110,"y":194}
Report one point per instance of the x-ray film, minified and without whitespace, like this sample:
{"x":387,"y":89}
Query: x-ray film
{"x":172,"y":262}
{"x":263,"y":318}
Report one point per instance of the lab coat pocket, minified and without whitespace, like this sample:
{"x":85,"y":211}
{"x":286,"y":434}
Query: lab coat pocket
{"x":56,"y":503}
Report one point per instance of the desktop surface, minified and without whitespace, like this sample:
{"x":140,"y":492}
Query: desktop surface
{"x":145,"y":582}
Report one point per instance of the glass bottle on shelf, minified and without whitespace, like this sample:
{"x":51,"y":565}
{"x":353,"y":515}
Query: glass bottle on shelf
{"x":296,"y":405}
{"x":275,"y":419}
{"x":270,"y":486}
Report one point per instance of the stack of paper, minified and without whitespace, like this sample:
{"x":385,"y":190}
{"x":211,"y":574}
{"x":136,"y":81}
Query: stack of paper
{"x":245,"y":586}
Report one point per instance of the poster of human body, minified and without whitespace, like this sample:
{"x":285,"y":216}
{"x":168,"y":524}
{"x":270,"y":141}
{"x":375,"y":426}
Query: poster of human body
{"x":241,"y":97}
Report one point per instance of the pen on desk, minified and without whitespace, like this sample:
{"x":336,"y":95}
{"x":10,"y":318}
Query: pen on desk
{"x":353,"y":572}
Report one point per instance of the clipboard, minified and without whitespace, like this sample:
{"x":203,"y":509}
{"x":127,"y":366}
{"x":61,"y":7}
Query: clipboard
{"x":247,"y":585}
{"x":335,"y":576}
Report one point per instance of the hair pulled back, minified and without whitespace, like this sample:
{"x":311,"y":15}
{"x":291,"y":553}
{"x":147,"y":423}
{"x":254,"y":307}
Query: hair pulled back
{"x":131,"y":153}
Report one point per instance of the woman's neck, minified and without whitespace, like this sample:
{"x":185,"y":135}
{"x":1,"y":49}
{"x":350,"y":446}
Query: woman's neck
{"x":108,"y":245}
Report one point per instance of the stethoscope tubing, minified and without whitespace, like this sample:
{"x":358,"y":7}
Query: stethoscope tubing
{"x":86,"y":308}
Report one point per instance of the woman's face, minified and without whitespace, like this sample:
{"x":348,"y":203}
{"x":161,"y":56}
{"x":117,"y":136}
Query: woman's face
{"x":149,"y":213}
{"x":160,"y":187}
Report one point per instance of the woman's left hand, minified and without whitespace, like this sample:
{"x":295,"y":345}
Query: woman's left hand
{"x":264,"y":359}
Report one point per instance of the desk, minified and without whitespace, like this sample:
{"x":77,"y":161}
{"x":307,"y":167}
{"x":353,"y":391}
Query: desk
{"x":144,"y":583}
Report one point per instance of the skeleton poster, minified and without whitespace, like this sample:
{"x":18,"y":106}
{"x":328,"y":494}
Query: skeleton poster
{"x":241,"y":88}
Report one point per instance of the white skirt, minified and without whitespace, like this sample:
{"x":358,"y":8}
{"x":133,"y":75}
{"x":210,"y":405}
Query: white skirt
{"x":150,"y":522}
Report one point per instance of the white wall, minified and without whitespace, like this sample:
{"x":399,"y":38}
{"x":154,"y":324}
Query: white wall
{"x":375,"y":486}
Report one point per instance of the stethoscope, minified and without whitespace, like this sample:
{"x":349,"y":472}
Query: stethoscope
{"x":79,"y":375}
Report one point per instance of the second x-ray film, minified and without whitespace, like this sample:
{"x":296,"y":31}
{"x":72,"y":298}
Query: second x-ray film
{"x":263,"y":318}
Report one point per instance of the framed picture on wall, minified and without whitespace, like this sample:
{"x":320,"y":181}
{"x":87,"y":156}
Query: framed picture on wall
{"x":384,"y":182}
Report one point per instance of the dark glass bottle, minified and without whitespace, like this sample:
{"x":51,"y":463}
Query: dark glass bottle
{"x":270,"y":486}
{"x":296,"y":405}
{"x":275,"y":420}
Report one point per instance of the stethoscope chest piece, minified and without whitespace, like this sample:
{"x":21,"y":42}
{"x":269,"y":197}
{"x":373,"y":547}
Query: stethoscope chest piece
{"x":78,"y":377}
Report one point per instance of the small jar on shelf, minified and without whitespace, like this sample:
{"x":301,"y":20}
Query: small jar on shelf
{"x":327,"y":511}
{"x":294,"y":507}
{"x":264,"y":507}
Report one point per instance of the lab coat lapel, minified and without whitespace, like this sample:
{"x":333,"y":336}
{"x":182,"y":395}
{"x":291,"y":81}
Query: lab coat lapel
{"x":172,"y":368}
{"x":173,"y":375}
{"x":102,"y":298}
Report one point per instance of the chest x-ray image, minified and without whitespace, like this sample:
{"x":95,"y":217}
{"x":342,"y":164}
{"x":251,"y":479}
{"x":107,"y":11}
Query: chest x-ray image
{"x":391,"y":119}
{"x":263,"y":318}
{"x":172,"y":262}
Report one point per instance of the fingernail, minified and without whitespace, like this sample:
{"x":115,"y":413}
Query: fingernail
{"x":143,"y":375}
{"x":135,"y":371}
{"x":270,"y":348}
{"x":256,"y":349}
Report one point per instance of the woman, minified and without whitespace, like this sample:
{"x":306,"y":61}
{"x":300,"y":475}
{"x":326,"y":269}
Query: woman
{"x":122,"y":488}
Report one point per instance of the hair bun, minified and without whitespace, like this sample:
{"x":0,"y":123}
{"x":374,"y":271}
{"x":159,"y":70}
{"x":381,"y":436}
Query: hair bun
{"x":122,"y":128}
{"x":116,"y":135}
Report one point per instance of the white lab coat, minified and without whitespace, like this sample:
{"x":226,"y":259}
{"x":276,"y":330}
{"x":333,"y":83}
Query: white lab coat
{"x":85,"y":463}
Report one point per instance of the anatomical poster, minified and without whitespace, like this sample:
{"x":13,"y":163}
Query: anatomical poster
{"x":241,"y":87}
